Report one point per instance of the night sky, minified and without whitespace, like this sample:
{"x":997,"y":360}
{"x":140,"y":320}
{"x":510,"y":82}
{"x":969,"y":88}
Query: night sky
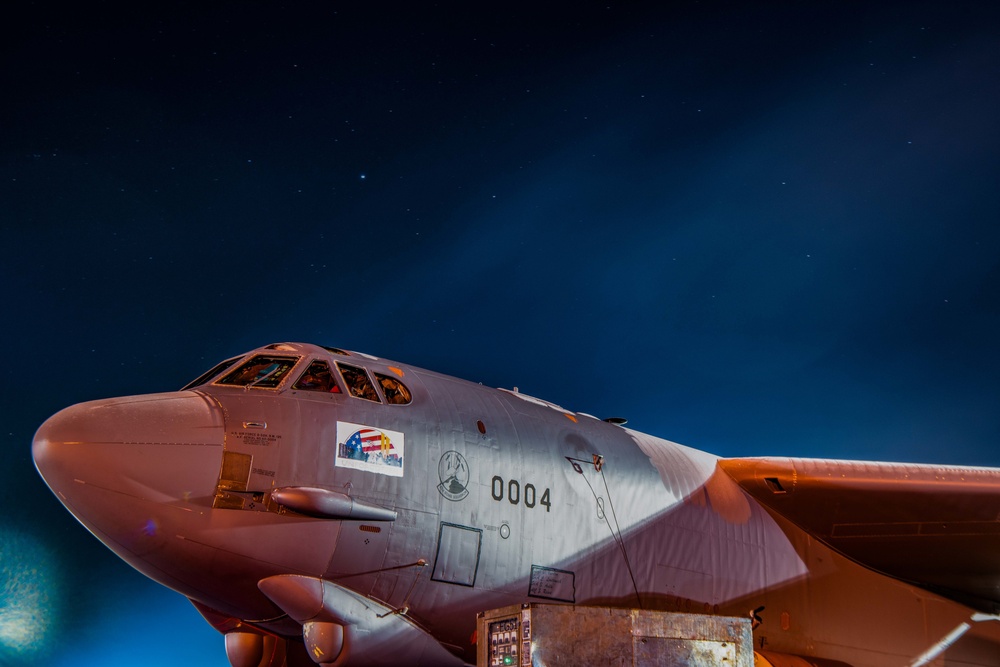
{"x":756,"y":229}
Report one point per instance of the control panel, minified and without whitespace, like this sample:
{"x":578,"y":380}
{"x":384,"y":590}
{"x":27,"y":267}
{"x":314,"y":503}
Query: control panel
{"x":510,"y":642}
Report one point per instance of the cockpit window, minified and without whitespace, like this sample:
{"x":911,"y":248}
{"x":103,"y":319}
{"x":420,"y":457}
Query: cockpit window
{"x":317,"y":377}
{"x":263,"y":370}
{"x":358,"y":383}
{"x":205,"y":377}
{"x":395,"y":392}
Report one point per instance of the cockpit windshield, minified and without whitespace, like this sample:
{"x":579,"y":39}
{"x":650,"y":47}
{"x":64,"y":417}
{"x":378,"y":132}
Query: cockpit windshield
{"x":263,"y":370}
{"x":395,"y":391}
{"x":317,"y":378}
{"x":358,"y":383}
{"x":208,"y":375}
{"x":269,"y":370}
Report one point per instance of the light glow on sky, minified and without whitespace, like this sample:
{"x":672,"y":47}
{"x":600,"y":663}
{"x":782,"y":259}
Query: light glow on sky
{"x":138,"y":622}
{"x":29,"y":596}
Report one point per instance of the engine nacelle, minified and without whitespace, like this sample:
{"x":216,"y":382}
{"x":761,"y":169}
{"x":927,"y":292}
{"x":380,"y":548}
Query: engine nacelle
{"x":252,"y":649}
{"x":324,"y":641}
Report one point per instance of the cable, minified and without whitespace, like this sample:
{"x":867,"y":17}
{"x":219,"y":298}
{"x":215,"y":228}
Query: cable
{"x":598,"y":463}
{"x":621,"y":541}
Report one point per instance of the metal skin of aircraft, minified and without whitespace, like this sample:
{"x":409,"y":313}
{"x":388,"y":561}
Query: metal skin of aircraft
{"x":326,"y":507}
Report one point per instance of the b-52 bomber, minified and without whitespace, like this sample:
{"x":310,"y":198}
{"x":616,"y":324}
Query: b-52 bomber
{"x":321,"y":506}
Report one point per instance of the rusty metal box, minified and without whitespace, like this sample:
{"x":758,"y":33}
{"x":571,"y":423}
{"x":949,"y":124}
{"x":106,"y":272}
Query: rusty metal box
{"x":545,"y":635}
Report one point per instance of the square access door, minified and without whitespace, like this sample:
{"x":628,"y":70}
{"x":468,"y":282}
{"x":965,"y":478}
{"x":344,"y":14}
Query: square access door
{"x":457,"y":558}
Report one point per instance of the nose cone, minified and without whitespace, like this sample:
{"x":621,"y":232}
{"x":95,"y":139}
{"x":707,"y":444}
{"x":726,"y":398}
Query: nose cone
{"x":124,"y":466}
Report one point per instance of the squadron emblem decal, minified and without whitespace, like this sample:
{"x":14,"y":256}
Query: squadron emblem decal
{"x":453,"y":471}
{"x":367,"y":448}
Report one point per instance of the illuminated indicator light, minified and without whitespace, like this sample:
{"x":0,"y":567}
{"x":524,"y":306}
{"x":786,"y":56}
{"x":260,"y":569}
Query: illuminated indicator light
{"x":397,"y":371}
{"x":571,"y":418}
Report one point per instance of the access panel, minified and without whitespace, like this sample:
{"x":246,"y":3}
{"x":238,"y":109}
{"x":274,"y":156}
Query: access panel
{"x":458,"y":552}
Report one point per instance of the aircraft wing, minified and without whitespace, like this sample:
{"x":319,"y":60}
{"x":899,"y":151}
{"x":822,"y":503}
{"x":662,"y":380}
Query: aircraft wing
{"x":937,"y":527}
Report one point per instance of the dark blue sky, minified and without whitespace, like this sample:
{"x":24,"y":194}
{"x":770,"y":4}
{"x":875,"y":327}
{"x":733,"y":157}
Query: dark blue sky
{"x":756,"y":230}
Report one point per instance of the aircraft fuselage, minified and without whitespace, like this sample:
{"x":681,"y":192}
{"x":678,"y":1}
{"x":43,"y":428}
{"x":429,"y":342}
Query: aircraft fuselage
{"x":416,"y":500}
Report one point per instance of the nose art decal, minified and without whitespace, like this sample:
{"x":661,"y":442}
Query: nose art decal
{"x":367,"y":448}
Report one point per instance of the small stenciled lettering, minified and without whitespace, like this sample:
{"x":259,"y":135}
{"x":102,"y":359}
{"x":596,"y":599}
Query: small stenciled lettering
{"x":553,"y":584}
{"x":254,"y":438}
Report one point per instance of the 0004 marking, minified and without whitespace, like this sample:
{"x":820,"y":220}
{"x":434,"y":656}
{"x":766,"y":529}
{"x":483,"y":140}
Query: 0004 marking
{"x":516,"y":493}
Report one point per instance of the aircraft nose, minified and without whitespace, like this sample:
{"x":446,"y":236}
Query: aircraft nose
{"x":102,"y":458}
